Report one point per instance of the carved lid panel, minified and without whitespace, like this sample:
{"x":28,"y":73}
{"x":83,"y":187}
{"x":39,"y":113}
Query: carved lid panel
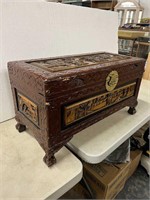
{"x":72,"y":62}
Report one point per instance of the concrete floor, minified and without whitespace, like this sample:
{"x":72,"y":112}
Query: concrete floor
{"x":137,"y":186}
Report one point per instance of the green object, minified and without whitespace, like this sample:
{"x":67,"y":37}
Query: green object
{"x":145,"y":20}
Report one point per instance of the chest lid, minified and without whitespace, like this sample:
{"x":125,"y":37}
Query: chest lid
{"x":62,"y":64}
{"x":68,"y":73}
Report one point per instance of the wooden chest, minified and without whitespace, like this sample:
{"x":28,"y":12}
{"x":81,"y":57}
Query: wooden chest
{"x":58,"y":97}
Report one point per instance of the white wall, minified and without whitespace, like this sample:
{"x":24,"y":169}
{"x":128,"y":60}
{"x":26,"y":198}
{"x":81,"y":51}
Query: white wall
{"x":25,"y":1}
{"x":33,"y":30}
{"x":146,"y":5}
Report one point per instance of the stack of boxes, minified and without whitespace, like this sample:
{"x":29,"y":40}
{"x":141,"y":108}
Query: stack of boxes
{"x":106,"y":180}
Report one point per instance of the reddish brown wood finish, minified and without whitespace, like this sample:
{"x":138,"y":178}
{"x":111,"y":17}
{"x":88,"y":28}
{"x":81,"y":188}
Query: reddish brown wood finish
{"x":51,"y":91}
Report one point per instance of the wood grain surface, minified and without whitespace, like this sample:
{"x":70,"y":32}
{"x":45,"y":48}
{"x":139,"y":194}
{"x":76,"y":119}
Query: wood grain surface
{"x":51,"y":92}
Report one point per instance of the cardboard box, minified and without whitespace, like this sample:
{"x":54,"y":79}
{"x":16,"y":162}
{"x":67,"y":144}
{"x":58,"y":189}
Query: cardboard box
{"x":77,"y":192}
{"x":135,"y":159}
{"x":106,"y":180}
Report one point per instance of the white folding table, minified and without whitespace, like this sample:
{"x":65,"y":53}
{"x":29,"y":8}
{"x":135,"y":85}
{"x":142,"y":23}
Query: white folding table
{"x":23,"y":173}
{"x":96,"y":142}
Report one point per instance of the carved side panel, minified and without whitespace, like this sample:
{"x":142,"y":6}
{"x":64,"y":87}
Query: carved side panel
{"x":28,"y":108}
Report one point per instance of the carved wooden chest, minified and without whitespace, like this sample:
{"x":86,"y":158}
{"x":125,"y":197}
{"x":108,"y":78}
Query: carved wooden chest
{"x":58,"y":97}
